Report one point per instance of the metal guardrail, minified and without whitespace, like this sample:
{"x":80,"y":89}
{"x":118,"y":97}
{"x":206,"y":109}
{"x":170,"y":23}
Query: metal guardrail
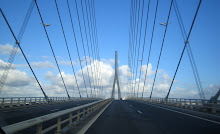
{"x":38,"y":121}
{"x":192,"y":104}
{"x":23,"y":101}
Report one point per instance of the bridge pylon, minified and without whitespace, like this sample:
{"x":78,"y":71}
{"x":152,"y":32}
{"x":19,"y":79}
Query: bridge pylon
{"x":116,"y":78}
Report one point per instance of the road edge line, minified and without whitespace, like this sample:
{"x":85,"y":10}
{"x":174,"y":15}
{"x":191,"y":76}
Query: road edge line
{"x":201,"y":118}
{"x":89,"y":124}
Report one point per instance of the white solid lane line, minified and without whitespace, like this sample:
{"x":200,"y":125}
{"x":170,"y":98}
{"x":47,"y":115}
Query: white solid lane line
{"x":185,"y":114}
{"x":139,"y":111}
{"x":54,"y":110}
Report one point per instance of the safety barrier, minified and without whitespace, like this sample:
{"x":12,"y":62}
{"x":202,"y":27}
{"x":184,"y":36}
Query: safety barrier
{"x":23,"y":101}
{"x":81,"y":112}
{"x":192,"y":104}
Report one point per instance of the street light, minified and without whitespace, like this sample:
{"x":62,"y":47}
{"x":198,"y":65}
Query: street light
{"x":81,"y":60}
{"x":45,"y":24}
{"x":164,"y":24}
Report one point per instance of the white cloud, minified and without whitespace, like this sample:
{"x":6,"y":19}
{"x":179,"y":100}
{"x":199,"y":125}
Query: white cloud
{"x":66,"y":63}
{"x":3,"y":65}
{"x":87,"y":58}
{"x":108,"y":61}
{"x":45,"y":57}
{"x":13,"y":66}
{"x":21,"y":83}
{"x":211,"y":90}
{"x":149,"y":70}
{"x":184,"y":93}
{"x":44,"y":64}
{"x":14,"y":81}
{"x":124,"y":70}
{"x":6,"y":49}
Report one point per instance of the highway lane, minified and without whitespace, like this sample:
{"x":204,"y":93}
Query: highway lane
{"x":130,"y":117}
{"x":18,"y":115}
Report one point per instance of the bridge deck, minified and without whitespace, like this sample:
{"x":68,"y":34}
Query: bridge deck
{"x":18,"y":114}
{"x":129,"y":117}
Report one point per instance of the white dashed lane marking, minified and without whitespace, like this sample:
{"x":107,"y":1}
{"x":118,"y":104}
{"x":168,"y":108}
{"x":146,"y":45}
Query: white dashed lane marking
{"x":139,"y":111}
{"x":54,"y":110}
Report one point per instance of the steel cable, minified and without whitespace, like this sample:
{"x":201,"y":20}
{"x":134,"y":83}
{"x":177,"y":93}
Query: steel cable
{"x":161,"y":47}
{"x":67,"y":47}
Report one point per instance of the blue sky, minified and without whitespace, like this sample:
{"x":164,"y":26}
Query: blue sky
{"x":113,"y":22}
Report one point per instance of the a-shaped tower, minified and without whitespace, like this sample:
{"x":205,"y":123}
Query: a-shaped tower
{"x":116,"y":79}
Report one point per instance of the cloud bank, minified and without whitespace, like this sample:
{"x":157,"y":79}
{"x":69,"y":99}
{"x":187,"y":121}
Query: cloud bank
{"x":7,"y":49}
{"x":19,"y":83}
{"x":94,"y":79}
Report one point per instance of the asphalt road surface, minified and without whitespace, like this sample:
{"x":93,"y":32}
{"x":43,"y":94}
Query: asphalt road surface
{"x":130,"y":117}
{"x":17,"y":115}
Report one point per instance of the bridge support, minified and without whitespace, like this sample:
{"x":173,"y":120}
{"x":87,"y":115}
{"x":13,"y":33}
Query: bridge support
{"x":116,"y":79}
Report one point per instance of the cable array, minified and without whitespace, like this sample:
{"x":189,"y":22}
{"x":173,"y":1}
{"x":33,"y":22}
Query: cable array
{"x":64,"y":36}
{"x":138,"y":46}
{"x":131,"y":42}
{"x":189,"y":52}
{"x":96,"y":42}
{"x":96,"y":46}
{"x":186,"y":42}
{"x":143,"y":49}
{"x":14,"y":50}
{"x":87,"y":42}
{"x":91,"y":42}
{"x":161,"y":47}
{"x":133,"y":49}
{"x":42,"y":22}
{"x":149,"y":53}
{"x":82,"y":42}
{"x":129,"y":58}
{"x":91,"y":45}
{"x":23,"y":54}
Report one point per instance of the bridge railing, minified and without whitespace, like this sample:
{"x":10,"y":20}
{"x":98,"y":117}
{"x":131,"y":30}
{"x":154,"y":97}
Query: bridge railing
{"x":192,"y":104}
{"x":81,"y":112}
{"x":23,"y":101}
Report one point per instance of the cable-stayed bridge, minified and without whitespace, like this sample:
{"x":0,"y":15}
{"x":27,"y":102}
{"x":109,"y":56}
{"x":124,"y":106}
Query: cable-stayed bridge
{"x":89,"y":108}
